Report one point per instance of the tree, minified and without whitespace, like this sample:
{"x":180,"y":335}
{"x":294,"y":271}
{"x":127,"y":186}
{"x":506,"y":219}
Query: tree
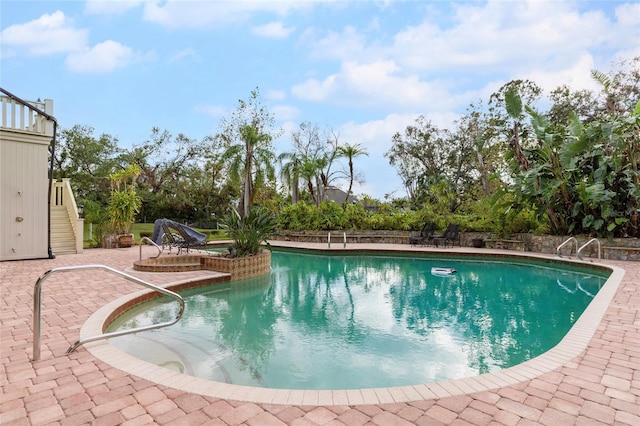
{"x":314,"y":155}
{"x":426,"y":161}
{"x":252,"y":162}
{"x":290,"y":164}
{"x":475,"y":129}
{"x":582,"y":176}
{"x":583,"y":103}
{"x":164,"y":159}
{"x":310,"y":168}
{"x":248,"y":135}
{"x":350,"y":152}
{"x":620,"y":89}
{"x":87,"y":161}
{"x":168,"y":167}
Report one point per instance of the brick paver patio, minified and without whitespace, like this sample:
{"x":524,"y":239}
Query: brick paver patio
{"x":600,"y":386}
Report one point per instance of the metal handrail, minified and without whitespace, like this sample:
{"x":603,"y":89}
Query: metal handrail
{"x":37,"y":302}
{"x":567,"y":241}
{"x":153,"y":243}
{"x":586,"y":244}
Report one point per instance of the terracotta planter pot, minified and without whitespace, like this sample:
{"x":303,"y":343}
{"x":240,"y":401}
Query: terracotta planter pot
{"x":110,"y":241}
{"x":126,"y":240}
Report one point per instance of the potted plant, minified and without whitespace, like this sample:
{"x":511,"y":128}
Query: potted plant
{"x":246,"y":257}
{"x":124,"y":204}
{"x":477,"y":242}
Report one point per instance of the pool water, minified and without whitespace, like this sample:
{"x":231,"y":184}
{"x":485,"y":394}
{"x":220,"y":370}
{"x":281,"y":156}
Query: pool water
{"x":345,"y":322}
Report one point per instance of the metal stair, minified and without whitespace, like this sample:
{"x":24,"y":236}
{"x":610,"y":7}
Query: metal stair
{"x":63,"y":239}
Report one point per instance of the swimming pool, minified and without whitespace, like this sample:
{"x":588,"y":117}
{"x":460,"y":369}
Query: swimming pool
{"x":345,"y":322}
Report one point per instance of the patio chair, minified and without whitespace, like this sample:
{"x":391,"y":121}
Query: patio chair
{"x":426,"y":235}
{"x":189,"y":239}
{"x":450,"y":235}
{"x":171,"y":239}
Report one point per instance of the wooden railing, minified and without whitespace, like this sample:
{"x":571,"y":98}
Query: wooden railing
{"x":62,"y":195}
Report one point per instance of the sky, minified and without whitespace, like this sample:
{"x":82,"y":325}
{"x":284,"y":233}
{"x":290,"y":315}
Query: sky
{"x":363,"y":70}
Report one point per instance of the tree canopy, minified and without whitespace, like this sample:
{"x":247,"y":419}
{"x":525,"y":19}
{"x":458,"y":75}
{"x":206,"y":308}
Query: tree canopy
{"x":567,"y":161}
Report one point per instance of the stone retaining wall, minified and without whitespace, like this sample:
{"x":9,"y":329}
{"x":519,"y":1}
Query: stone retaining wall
{"x":616,"y":248}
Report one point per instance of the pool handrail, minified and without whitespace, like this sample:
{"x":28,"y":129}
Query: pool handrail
{"x":37,"y":303}
{"x":564,"y":243}
{"x":154,"y":244}
{"x":586,"y":244}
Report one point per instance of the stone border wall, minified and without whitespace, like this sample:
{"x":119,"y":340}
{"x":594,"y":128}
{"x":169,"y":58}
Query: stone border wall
{"x":238,"y":268}
{"x":241,"y":267}
{"x":615,"y":249}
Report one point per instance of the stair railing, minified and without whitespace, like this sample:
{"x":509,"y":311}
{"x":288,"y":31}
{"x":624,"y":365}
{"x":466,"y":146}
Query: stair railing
{"x":37,"y":304}
{"x":62,"y":196}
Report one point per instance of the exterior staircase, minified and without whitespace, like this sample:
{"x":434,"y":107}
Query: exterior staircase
{"x":63,"y":238}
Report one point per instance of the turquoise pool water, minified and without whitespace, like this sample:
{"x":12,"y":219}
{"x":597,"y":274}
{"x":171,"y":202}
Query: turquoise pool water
{"x":345,"y":322}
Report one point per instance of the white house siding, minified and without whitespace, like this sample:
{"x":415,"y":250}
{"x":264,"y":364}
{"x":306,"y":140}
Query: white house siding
{"x":23,"y":195}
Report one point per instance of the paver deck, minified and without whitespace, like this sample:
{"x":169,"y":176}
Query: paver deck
{"x":601,"y":385}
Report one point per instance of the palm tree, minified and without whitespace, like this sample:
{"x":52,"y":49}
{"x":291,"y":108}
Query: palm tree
{"x":310,"y":167}
{"x":350,"y":152}
{"x":290,"y":173}
{"x":252,"y":162}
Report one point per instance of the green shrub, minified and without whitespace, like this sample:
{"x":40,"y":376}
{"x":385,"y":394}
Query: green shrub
{"x":250,"y":233}
{"x":332,"y":216}
{"x":484,"y":215}
{"x":356,"y":217}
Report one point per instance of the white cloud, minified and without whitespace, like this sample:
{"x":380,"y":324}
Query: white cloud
{"x":207,"y":14}
{"x":49,"y":34}
{"x":184,"y":53}
{"x":628,"y":15}
{"x":110,"y":7}
{"x":215,"y":111}
{"x":276,"y":95}
{"x":435,"y":65}
{"x":272,"y":30}
{"x":285,"y":112}
{"x":375,"y":84}
{"x":577,"y":76}
{"x":315,"y":90}
{"x":55,"y":34}
{"x":376,"y":135}
{"x":509,"y":36}
{"x":102,"y":58}
{"x":344,"y":45}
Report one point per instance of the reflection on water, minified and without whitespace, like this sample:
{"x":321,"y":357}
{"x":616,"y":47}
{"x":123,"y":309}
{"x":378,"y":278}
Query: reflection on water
{"x":340,"y":322}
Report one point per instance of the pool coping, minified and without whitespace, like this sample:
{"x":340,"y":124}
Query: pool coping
{"x":572,"y":345}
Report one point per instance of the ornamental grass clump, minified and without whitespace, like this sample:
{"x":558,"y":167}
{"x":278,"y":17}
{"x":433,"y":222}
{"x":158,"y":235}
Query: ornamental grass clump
{"x":248,"y":233}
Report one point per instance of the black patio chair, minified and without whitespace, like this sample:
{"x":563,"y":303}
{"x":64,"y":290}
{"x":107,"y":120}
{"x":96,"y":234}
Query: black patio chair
{"x":171,"y":239}
{"x":451,"y":236}
{"x":426,"y":235}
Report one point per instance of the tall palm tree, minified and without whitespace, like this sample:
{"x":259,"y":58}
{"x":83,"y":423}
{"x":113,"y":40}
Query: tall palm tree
{"x":252,"y":162}
{"x":350,"y":152}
